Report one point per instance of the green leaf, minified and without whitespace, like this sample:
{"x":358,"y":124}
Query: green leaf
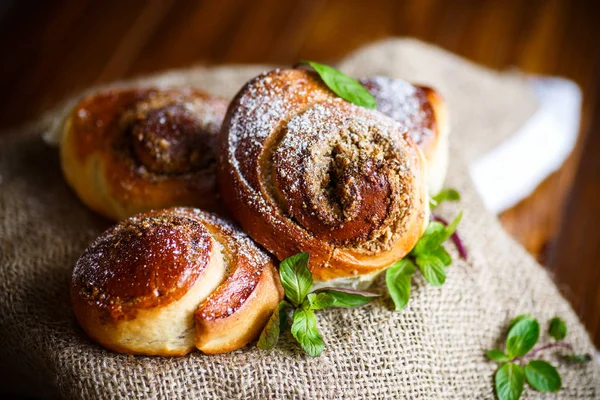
{"x":517,"y":319}
{"x":443,"y":255}
{"x":542,"y":376}
{"x":558,"y":329}
{"x":304,"y":329}
{"x":348,"y":297}
{"x":318,"y":301}
{"x":296,"y":278}
{"x":578,"y":358}
{"x":432,"y":269}
{"x":397,"y":279}
{"x":510,"y":381}
{"x":522,"y":336}
{"x":270,"y":334}
{"x":497,"y":355}
{"x":344,"y":86}
{"x":431,"y":240}
{"x":444,"y":195}
{"x":451,"y":228}
{"x":434,"y":226}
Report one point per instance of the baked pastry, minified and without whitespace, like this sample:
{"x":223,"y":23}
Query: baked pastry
{"x":125,"y":151}
{"x":304,"y":170}
{"x":165,"y":282}
{"x":422,"y":111}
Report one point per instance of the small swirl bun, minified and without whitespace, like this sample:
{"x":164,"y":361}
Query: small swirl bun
{"x":131,"y":150}
{"x":166,"y":282}
{"x":422,"y":111}
{"x":304,"y":170}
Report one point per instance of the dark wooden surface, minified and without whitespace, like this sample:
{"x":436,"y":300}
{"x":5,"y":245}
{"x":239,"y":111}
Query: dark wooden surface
{"x":54,"y":48}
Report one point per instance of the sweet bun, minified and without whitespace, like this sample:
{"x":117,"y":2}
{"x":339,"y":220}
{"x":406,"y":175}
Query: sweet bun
{"x":303,"y":170}
{"x":126,"y":151}
{"x":422,"y":111}
{"x":166,"y":282}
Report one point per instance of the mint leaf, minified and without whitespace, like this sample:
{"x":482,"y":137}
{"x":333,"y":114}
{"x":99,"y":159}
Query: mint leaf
{"x":443,"y":255}
{"x":397,"y":279}
{"x":429,"y":242}
{"x":344,"y":86}
{"x":497,"y":355}
{"x":543,"y":376}
{"x":522,"y":336}
{"x":434,"y":226}
{"x":444,"y":195}
{"x":578,"y":358}
{"x":270,"y":334}
{"x":517,"y":319}
{"x":432,"y":269}
{"x":348,"y":297}
{"x":296,"y":278}
{"x":451,"y":227}
{"x":510,"y":381}
{"x":558,"y":329}
{"x":435,"y":234}
{"x":318,"y":301}
{"x":304,"y":329}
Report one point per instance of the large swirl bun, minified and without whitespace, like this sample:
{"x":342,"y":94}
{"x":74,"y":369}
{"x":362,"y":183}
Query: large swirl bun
{"x":166,"y":282}
{"x":126,"y":151}
{"x":304,"y":170}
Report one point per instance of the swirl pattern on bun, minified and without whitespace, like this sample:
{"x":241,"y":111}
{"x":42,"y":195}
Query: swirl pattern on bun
{"x":303,"y":170}
{"x":126,"y":151}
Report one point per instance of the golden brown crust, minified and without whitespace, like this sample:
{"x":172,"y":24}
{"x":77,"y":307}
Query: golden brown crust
{"x":141,"y":285}
{"x":303,"y":170}
{"x":146,"y":261}
{"x":131,"y":150}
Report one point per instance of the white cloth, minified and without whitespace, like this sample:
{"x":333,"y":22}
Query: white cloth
{"x":511,"y":171}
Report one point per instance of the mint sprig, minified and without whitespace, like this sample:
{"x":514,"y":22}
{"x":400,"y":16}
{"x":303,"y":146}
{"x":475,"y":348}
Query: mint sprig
{"x":429,"y":256}
{"x":297,"y":281}
{"x":343,"y":85}
{"x":517,"y":366}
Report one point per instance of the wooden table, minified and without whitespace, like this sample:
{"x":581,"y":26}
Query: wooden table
{"x":54,"y":48}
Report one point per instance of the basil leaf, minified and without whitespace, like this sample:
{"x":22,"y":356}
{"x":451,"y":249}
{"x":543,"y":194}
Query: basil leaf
{"x":558,"y":329}
{"x":296,"y":278}
{"x":432,"y":269}
{"x":397,"y":279}
{"x":543,"y":376}
{"x":444,"y":195}
{"x":270,"y":333}
{"x":344,"y":86}
{"x":510,"y":381}
{"x":318,"y":301}
{"x":578,"y":358}
{"x":304,"y":329}
{"x":497,"y":355}
{"x":523,"y":335}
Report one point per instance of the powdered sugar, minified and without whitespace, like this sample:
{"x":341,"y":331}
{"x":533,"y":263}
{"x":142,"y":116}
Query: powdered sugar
{"x":402,"y":102}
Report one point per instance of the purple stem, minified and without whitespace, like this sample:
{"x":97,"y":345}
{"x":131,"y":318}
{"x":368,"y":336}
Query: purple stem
{"x":455,"y":237}
{"x":546,"y":347}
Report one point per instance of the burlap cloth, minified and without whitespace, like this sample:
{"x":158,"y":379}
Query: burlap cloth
{"x":433,"y":349}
